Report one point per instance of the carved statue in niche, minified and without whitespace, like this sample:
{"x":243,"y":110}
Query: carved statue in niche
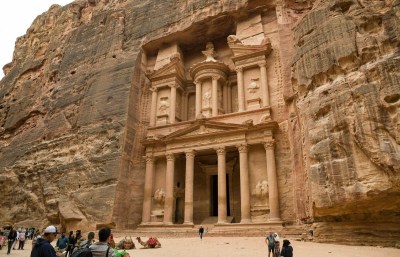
{"x":164,"y":105}
{"x":191,"y":113}
{"x":261,"y":192}
{"x":206,"y":99}
{"x":159,"y":198}
{"x":253,"y":86}
{"x":220,"y":103}
{"x":209,"y":52}
{"x":178,"y":107}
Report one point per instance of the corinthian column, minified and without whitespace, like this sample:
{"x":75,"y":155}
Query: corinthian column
{"x":222,"y":210}
{"x":188,"y":219}
{"x":240,"y":84}
{"x":153,"y":107}
{"x":264,"y":84}
{"x":148,"y":189}
{"x":169,"y":190}
{"x":272,"y":182}
{"x":244,"y":185}
{"x":198,"y":98}
{"x":173,"y":104}
{"x":214,"y":96}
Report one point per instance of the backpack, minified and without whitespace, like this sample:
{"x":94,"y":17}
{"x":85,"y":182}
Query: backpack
{"x":83,"y":252}
{"x":22,"y":237}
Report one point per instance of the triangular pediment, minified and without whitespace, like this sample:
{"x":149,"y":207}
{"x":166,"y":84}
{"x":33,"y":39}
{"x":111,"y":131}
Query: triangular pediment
{"x":202,"y":128}
{"x":174,"y":68}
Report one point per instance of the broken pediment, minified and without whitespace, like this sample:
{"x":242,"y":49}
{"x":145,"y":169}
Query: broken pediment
{"x":241,"y":51}
{"x":173,"y":69}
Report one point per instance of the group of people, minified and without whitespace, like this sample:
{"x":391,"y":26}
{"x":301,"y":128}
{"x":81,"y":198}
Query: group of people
{"x":72,"y":244}
{"x":14,"y":237}
{"x":272,"y":240}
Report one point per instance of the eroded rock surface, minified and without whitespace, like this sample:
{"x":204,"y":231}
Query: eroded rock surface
{"x":75,"y":106}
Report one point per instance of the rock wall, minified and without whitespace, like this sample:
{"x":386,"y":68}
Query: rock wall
{"x":75,"y":106}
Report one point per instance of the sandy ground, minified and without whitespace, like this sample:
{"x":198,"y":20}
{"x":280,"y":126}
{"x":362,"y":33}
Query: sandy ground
{"x":239,"y":247}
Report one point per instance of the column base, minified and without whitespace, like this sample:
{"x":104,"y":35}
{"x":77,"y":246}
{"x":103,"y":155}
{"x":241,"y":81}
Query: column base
{"x":246,"y":221}
{"x":274,"y":220}
{"x":188,"y":223}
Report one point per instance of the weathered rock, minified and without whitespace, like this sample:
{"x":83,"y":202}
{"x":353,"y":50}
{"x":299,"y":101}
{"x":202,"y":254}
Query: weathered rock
{"x":75,"y":106}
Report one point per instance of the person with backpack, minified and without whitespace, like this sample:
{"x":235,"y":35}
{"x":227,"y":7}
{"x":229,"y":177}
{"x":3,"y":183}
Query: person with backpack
{"x":287,"y":249}
{"x":101,"y":248}
{"x":43,"y":248}
{"x":270,"y":241}
{"x":21,"y":240}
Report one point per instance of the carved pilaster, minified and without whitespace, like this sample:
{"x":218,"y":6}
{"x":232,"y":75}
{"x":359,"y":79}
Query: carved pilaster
{"x":269,"y":144}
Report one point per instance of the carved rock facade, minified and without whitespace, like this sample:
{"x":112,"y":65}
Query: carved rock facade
{"x":114,"y":114}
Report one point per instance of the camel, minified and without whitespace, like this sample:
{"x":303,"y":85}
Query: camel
{"x":152,"y":242}
{"x":126,"y":244}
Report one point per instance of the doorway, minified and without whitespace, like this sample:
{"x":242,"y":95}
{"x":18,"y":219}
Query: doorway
{"x":214,"y":196}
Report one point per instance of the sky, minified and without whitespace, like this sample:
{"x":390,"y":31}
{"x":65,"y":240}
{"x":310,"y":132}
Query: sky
{"x":16,"y":16}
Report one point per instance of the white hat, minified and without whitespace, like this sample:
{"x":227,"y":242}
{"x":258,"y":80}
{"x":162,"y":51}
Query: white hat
{"x":51,"y":229}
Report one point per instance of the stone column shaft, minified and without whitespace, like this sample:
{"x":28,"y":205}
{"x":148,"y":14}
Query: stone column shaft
{"x":214,"y":96}
{"x":198,"y":98}
{"x":229,"y":98}
{"x":225,"y":97}
{"x":244,"y":185}
{"x":240,"y":84}
{"x":169,"y":189}
{"x":264,"y":84}
{"x":272,"y":182}
{"x":153,"y":110}
{"x":148,"y":189}
{"x":189,"y":179}
{"x":222,"y":209}
{"x":173,"y":104}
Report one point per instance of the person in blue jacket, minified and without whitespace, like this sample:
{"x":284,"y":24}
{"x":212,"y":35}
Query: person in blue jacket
{"x":43,"y":248}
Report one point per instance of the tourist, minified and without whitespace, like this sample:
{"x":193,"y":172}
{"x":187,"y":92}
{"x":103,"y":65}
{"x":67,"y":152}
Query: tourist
{"x":71,"y":240}
{"x":276,"y":245}
{"x":62,"y":242}
{"x":111,"y":241}
{"x":101,"y":248}
{"x":21,"y":239}
{"x":2,"y":239}
{"x":43,"y":248}
{"x":16,"y":239}
{"x":201,"y":231}
{"x":12,"y":237}
{"x":84,"y":243}
{"x":269,"y":240}
{"x":287,"y":250}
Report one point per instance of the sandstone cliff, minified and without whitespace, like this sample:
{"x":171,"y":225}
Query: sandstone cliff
{"x":74,"y":108}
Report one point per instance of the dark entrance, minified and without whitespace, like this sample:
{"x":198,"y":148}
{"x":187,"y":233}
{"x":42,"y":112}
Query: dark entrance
{"x":214,"y":196}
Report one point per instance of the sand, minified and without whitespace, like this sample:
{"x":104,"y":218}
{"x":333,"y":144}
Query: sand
{"x":239,"y":247}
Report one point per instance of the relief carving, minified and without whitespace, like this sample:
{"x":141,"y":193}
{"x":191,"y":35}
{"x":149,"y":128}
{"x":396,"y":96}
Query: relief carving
{"x":234,"y":40}
{"x":209,"y":52}
{"x":159,"y":197}
{"x":253,"y":86}
{"x":206,"y":99}
{"x":164,"y":105}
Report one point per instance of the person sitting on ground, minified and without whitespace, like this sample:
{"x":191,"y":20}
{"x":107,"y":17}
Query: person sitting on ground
{"x":101,"y":248}
{"x":43,"y":248}
{"x":287,"y":250}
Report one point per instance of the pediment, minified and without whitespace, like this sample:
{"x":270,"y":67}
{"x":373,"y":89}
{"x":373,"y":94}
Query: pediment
{"x":174,"y":68}
{"x":204,"y":129}
{"x":240,"y":50}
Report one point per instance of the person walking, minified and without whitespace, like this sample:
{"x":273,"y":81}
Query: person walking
{"x":277,"y":246}
{"x":287,"y":249}
{"x":201,"y":232}
{"x":12,"y":236}
{"x":43,"y":247}
{"x":101,"y":248}
{"x":269,"y":240}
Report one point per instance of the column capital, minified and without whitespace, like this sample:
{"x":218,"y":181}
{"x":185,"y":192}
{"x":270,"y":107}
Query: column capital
{"x":242,"y":148}
{"x":170,"y":156}
{"x":154,"y":89}
{"x":220,"y":150}
{"x":149,"y":158}
{"x":269,"y":144}
{"x":197,"y":81}
{"x":190,"y":153}
{"x":262,"y":64}
{"x":174,"y":85}
{"x":216,"y":77}
{"x":239,"y":69}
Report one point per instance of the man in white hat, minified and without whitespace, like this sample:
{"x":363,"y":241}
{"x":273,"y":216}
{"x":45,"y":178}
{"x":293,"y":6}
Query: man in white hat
{"x":43,"y":248}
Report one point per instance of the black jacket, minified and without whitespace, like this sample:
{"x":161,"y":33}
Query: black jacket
{"x":12,"y":236}
{"x":43,"y":248}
